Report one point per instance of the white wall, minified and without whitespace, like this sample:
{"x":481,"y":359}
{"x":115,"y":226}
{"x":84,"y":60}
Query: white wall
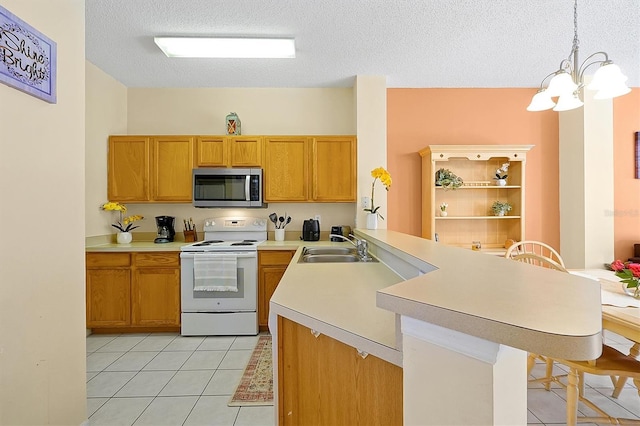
{"x":106,"y":113}
{"x":42,"y":204}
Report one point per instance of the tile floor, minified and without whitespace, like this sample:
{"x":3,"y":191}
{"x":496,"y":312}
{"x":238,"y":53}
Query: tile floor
{"x":167,"y":379}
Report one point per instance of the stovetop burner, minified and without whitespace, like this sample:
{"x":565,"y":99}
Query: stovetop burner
{"x":208,"y":243}
{"x":243,"y":243}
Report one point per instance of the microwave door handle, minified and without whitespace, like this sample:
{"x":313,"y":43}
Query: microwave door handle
{"x":247,"y":188}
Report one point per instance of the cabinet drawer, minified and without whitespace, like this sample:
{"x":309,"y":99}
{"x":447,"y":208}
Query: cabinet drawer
{"x":156,"y":259}
{"x":280,"y":257}
{"x":96,"y":260}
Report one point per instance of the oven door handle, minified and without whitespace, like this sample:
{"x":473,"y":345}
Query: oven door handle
{"x":247,"y":188}
{"x":243,"y":254}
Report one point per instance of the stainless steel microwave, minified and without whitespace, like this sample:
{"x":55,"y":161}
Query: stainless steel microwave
{"x":216,"y":187}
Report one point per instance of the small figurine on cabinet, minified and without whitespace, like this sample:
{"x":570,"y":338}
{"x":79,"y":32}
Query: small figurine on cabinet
{"x":233,"y":124}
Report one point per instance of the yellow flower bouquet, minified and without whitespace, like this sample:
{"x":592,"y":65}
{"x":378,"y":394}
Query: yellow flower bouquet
{"x":125,"y":224}
{"x":384,"y":177}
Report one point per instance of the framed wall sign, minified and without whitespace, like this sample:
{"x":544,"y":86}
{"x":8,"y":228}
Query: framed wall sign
{"x":27,"y":58}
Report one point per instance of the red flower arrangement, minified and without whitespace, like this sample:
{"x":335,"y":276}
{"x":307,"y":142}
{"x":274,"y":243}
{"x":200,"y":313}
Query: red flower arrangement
{"x":630,"y":274}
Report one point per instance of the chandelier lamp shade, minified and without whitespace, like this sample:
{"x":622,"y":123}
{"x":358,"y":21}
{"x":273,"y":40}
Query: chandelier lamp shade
{"x":567,"y":82}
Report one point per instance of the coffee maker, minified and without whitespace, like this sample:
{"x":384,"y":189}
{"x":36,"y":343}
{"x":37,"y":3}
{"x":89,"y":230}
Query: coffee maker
{"x":166,"y":231}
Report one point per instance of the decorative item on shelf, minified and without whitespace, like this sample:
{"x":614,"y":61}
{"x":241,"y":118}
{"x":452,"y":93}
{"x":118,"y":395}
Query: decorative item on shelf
{"x":280,"y":222}
{"x":501,"y":175}
{"x":233,"y":124}
{"x":385,"y":178}
{"x":124,"y":225}
{"x":443,"y":209}
{"x":447,"y":179}
{"x":476,"y":246}
{"x":500,"y":208}
{"x":630,"y":274}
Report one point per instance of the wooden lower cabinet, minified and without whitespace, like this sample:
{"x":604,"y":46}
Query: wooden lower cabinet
{"x":133,"y":291}
{"x":271,"y":267}
{"x":322,"y":381}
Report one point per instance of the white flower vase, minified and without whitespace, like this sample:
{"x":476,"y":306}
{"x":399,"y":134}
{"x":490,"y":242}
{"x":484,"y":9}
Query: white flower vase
{"x":501,"y":182}
{"x":124,"y":237}
{"x":372,"y":221}
{"x":443,"y":213}
{"x":500,"y":213}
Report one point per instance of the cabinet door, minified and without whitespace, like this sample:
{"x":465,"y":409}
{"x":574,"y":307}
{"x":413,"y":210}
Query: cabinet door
{"x":333,"y":163}
{"x":245,"y":151}
{"x":155,"y":297}
{"x":269,"y":279}
{"x":173,"y":160}
{"x":324,"y":381}
{"x":212,"y":151}
{"x":108,"y":297}
{"x":128,"y":169}
{"x":272,"y":265}
{"x":286,"y":169}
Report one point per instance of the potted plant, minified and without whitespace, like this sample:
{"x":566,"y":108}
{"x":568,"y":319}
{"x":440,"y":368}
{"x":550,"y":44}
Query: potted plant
{"x":500,"y":208}
{"x":125,"y":224}
{"x":443,"y":209}
{"x":501,"y":175}
{"x":447,"y":179}
{"x":379,"y":173}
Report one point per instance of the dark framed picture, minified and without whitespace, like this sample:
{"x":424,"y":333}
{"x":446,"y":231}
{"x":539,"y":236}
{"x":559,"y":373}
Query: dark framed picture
{"x":637,"y":155}
{"x":27,"y":58}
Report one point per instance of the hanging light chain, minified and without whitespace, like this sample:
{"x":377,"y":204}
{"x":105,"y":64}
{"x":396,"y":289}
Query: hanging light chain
{"x":576,"y":42}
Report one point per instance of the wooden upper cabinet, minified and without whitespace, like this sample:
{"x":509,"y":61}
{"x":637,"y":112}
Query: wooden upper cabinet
{"x":173,"y":161}
{"x":333,"y":164}
{"x":212,"y":151}
{"x":128,"y":168}
{"x":150,"y":168}
{"x":229,"y":151}
{"x":245,"y":151}
{"x":286,"y":168}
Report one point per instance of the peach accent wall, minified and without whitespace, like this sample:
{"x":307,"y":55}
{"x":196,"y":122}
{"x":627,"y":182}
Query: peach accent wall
{"x":626,"y":121}
{"x":421,"y":117}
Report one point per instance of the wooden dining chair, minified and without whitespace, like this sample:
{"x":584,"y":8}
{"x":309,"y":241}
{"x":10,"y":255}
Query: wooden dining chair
{"x":612,"y":363}
{"x":539,"y":254}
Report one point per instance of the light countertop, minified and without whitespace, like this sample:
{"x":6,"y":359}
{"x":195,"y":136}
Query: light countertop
{"x":145,"y":243}
{"x":519,"y":305}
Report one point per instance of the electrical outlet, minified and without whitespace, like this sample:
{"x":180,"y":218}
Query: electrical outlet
{"x":366,"y":203}
{"x":317,"y":217}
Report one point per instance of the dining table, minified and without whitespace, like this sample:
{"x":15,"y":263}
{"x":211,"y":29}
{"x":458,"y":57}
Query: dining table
{"x":620,"y":312}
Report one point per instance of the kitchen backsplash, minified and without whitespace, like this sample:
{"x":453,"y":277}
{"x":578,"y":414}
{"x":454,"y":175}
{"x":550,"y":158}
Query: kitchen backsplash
{"x":330,"y":214}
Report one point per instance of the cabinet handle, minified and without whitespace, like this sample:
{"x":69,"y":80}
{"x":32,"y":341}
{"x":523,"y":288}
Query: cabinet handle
{"x":315,"y":333}
{"x":363,"y":354}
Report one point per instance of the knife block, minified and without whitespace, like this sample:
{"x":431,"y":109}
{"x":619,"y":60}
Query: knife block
{"x":190,"y":236}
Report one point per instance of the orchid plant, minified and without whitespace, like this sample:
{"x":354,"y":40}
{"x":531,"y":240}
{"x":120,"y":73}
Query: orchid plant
{"x":501,"y":173}
{"x":125,"y":224}
{"x":384,"y":177}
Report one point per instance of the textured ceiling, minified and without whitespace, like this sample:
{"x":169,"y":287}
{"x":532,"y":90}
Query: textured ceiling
{"x":420,"y":43}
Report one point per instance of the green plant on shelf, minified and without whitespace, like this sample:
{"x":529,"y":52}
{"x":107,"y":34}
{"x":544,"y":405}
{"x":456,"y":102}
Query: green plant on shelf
{"x":500,"y":208}
{"x":447,"y":179}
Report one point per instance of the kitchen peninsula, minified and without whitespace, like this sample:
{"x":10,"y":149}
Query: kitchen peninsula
{"x":403,"y":338}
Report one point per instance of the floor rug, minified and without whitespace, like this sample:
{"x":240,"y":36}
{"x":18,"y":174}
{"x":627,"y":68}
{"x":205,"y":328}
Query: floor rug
{"x":256,"y":384}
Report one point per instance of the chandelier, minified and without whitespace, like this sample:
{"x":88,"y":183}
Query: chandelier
{"x":567,"y":82}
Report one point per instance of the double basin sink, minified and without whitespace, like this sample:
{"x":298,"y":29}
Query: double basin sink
{"x":330,"y":255}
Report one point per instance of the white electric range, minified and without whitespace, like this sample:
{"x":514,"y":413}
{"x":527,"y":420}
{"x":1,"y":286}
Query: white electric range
{"x":210,"y":309}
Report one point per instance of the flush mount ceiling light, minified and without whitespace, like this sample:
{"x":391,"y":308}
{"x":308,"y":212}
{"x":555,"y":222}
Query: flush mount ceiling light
{"x":567,"y":82}
{"x":225,"y":47}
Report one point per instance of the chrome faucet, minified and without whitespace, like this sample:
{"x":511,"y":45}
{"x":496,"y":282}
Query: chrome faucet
{"x":361,"y":245}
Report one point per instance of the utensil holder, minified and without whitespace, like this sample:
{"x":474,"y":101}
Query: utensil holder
{"x":190,"y":236}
